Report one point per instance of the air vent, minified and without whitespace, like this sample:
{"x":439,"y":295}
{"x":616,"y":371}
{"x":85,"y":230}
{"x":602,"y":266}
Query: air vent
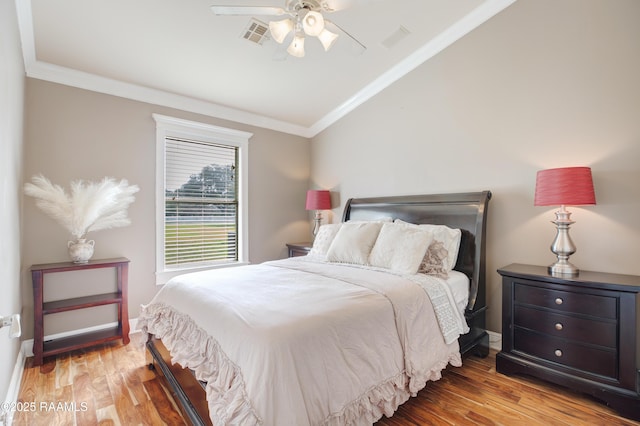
{"x":395,"y":38}
{"x":256,"y":32}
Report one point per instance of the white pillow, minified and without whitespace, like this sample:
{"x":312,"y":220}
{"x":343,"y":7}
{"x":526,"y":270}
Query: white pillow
{"x":378,"y":219}
{"x":449,"y":237}
{"x":324,"y":238}
{"x":353,"y":242}
{"x":400,"y":248}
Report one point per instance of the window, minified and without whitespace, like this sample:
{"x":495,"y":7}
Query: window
{"x":201,"y":196}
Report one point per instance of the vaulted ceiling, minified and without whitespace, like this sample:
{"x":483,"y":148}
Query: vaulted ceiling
{"x":178,"y":53}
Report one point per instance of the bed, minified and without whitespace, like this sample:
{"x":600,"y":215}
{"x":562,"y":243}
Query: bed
{"x":326,"y":339}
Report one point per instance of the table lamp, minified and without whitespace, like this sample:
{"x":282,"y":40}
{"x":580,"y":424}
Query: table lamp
{"x":565,"y":186}
{"x":318,"y":200}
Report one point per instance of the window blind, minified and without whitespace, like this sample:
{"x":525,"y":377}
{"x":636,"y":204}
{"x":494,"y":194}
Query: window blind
{"x":201,"y":202}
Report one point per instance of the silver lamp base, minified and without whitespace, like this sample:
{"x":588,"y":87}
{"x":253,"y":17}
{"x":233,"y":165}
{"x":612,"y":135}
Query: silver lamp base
{"x":563,"y":246}
{"x":563,"y":269}
{"x":317,"y":221}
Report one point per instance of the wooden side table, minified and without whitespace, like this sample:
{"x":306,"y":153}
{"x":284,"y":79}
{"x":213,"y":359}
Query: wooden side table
{"x":41,"y":308}
{"x":579,"y":332}
{"x":299,"y":249}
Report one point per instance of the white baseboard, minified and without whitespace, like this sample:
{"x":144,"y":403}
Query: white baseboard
{"x":495,"y":340}
{"x":6,"y":417}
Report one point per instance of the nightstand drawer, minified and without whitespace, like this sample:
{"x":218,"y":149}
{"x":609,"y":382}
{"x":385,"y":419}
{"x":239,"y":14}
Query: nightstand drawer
{"x":565,"y":301}
{"x":582,"y":330}
{"x":602,"y":362}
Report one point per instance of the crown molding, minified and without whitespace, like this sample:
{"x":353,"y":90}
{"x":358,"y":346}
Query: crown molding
{"x":92,"y":82}
{"x":74,"y":78}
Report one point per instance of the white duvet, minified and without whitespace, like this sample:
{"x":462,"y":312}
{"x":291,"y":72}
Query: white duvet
{"x":297,"y":342}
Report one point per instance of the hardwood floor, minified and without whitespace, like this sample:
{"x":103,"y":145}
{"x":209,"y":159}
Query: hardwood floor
{"x":475,"y":394}
{"x":111,"y":385}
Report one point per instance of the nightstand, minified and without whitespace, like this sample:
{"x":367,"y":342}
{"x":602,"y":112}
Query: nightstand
{"x":299,"y":249}
{"x":579,"y":332}
{"x":42,"y":308}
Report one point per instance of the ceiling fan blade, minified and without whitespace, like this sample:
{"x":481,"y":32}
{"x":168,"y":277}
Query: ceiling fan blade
{"x":356,"y":46}
{"x":248,"y":10}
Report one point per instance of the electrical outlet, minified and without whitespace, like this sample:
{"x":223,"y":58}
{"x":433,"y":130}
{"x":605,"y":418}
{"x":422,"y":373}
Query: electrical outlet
{"x":12,"y":321}
{"x":15,"y":330}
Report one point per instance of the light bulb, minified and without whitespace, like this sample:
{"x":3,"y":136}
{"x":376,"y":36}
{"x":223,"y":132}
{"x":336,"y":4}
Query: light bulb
{"x":296,"y":48}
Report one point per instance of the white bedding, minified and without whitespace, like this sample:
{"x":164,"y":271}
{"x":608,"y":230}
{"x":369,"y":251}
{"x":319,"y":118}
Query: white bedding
{"x":299,"y":342}
{"x":459,"y":285}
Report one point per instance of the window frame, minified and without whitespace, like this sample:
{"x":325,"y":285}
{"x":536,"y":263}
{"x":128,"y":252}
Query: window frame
{"x":179,"y":128}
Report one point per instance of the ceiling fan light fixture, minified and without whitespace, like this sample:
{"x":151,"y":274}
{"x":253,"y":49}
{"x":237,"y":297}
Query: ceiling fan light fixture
{"x":296,"y":48}
{"x":280,"y":29}
{"x":327,"y":38}
{"x":313,"y":23}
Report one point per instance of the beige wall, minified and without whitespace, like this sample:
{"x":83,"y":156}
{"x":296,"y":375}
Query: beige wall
{"x":544,"y":84}
{"x":11,"y":123}
{"x":73,"y":133}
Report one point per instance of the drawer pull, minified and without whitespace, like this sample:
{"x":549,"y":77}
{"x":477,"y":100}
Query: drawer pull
{"x":558,"y":353}
{"x":559,"y":326}
{"x":559,"y":301}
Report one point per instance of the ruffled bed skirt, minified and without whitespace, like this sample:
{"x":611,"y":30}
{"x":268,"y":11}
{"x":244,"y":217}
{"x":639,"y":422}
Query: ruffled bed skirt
{"x":228,"y":402}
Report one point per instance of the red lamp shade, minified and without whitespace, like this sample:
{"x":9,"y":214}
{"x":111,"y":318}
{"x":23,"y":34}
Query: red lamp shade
{"x":572,"y":186}
{"x":318,"y":200}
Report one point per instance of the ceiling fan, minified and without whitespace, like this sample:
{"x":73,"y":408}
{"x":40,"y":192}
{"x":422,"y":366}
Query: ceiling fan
{"x":304,"y":18}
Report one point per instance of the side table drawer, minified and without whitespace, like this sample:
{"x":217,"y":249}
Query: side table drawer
{"x":602,"y":362}
{"x":565,"y":301}
{"x":583,"y":330}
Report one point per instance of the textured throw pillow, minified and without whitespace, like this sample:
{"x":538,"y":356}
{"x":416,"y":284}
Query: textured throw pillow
{"x":449,"y":237}
{"x":324,"y":238}
{"x":433,"y":262}
{"x":400,"y":248}
{"x":353,"y":242}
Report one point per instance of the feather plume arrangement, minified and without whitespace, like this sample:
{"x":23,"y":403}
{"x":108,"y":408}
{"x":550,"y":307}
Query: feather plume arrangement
{"x":91,"y":206}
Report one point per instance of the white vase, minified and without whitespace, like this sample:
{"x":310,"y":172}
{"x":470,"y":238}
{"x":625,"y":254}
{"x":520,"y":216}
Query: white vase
{"x":80,"y":250}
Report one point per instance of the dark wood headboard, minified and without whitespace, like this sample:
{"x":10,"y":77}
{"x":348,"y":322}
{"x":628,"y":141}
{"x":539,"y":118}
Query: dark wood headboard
{"x":465,"y":211}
